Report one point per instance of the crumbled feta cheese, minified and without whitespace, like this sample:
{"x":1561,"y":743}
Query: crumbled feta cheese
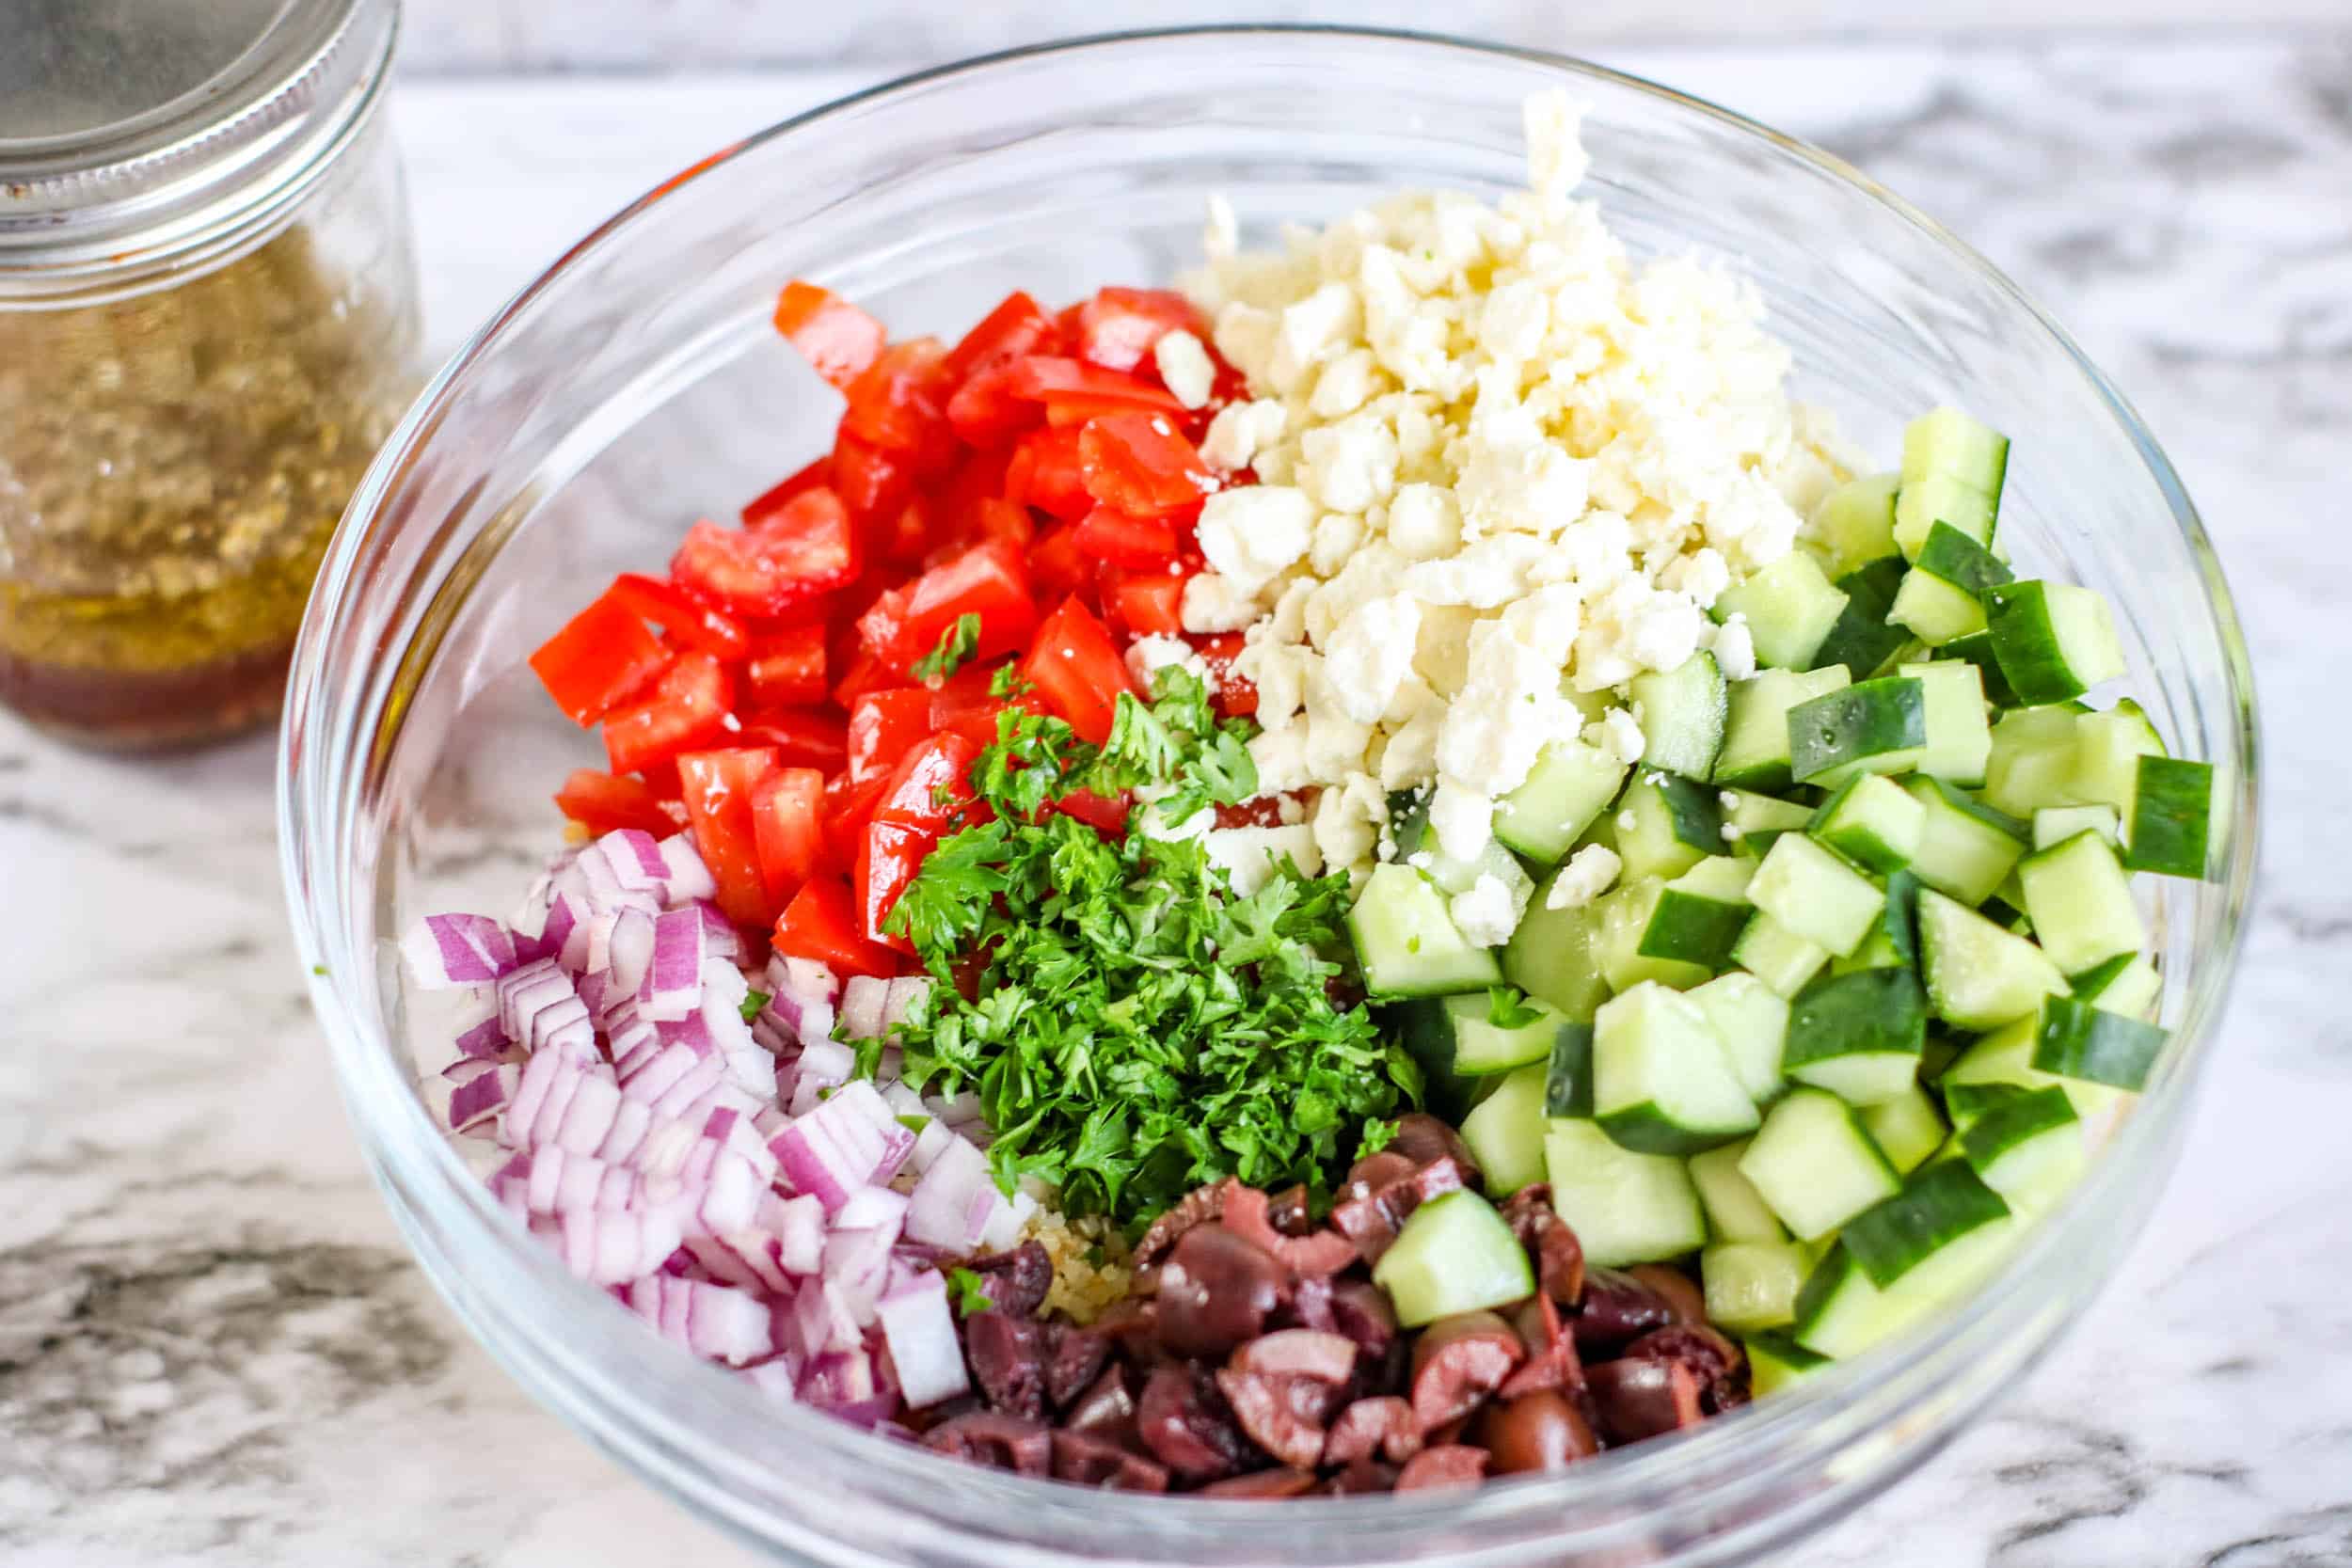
{"x":1621,"y":737}
{"x":1214,"y":604}
{"x":1250,"y":856}
{"x":1424,"y":523}
{"x":1464,"y":818}
{"x":1184,"y":368}
{"x":1251,"y":533}
{"x":1240,"y":430}
{"x":1147,"y":655}
{"x":1336,"y":538}
{"x":1348,"y":823}
{"x":1588,"y":874}
{"x":1370,"y":654}
{"x":1735,"y":649}
{"x":1485,"y":915}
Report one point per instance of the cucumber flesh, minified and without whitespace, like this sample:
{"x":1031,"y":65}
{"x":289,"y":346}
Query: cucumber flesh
{"x":1506,"y":1131}
{"x":1682,"y":713}
{"x":1661,"y":1082}
{"x":1455,"y":1254}
{"x":1753,"y":1285}
{"x":1736,"y":1212}
{"x":1875,"y":726}
{"x":1406,"y":940}
{"x":1979,"y":977}
{"x":1624,"y":1207}
{"x":1815,"y":1165}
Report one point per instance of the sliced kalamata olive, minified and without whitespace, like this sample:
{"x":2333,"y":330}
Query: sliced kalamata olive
{"x":1180,"y":1418}
{"x":1197,"y":1207}
{"x":1450,"y":1464}
{"x":1551,"y":1359}
{"x":1682,"y":1295}
{"x":1542,"y":1431}
{"x":1714,"y":1361}
{"x":1007,"y":1358}
{"x":1550,"y":1243}
{"x":1262,"y":1486}
{"x":1108,"y":1406}
{"x":1616,"y":1308}
{"x":1266,"y":1407}
{"x":1373,"y":1213}
{"x":1298,"y":1353}
{"x":1089,"y":1460}
{"x":999,"y":1441}
{"x":1363,"y":1477}
{"x":1360,"y":1311}
{"x":1310,"y":1305}
{"x":1643,"y":1398}
{"x":1129,"y":1324}
{"x":1216,"y":1291}
{"x":1016,"y":1282}
{"x":1288,"y":1212}
{"x":1314,"y":1257}
{"x":1425,"y":1140}
{"x":1383,"y":1425}
{"x":1375,"y":1171}
{"x":1457,"y":1362}
{"x":1074,"y":1356}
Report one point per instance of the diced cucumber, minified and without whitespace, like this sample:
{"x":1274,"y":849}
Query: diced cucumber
{"x":1624,"y":1207}
{"x":1870,"y":822}
{"x":1506,"y":1131}
{"x":2055,"y":641}
{"x":1979,"y":977}
{"x":1699,"y":914}
{"x":1406,"y":941}
{"x":2077,"y":1040}
{"x":1855,"y":522}
{"x":1906,"y":1128}
{"x":1570,"y":785}
{"x":1789,"y":607}
{"x":1940,"y":499}
{"x":1863,"y":638}
{"x":1841,"y":1314}
{"x":2007,"y":1056}
{"x":1662,"y":1084}
{"x":1966,"y":849}
{"x":1682,"y":713}
{"x":2107,"y":749}
{"x":1455,"y":1254}
{"x":1552,"y":955}
{"x":1960,"y":742}
{"x":1752,"y":1020}
{"x":2027,"y":1145}
{"x":1940,"y":600}
{"x":1667,"y":824}
{"x":1424,"y":1028}
{"x":1752,"y":820}
{"x":1627,"y":917}
{"x":2055,"y":825}
{"x":1812,"y":893}
{"x":2080,"y":900}
{"x":1857,"y":1035}
{"x":2171,"y":815}
{"x":1875,"y":726}
{"x":1978,"y":650}
{"x":1893,"y":941}
{"x":1568,"y":1076}
{"x":1946,"y":441}
{"x":1815,"y":1165}
{"x":1736,"y":1212}
{"x":1776,"y":1362}
{"x":2031,"y":763}
{"x":1753,"y":1285}
{"x":2126,"y":984}
{"x":1776,"y":955}
{"x":1939,"y":1202}
{"x":1467,"y":1037}
{"x":1756,"y":740}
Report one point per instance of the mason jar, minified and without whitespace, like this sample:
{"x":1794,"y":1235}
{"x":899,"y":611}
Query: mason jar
{"x":208,"y":322}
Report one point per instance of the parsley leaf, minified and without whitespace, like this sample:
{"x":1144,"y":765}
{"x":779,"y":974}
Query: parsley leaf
{"x":956,"y":644}
{"x":1507,"y":1008}
{"x":969,"y":1294}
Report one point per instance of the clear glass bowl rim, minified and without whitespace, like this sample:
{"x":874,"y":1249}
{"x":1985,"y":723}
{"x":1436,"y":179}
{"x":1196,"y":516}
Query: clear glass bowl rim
{"x":417,"y":1161}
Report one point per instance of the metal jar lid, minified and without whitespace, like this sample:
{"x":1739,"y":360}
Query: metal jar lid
{"x":140,"y":138}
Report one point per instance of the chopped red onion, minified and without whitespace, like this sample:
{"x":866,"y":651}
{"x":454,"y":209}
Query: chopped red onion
{"x":716,"y":1320}
{"x":920,"y":1330}
{"x":778,"y":1378}
{"x":732,"y":1199}
{"x":672,"y":988}
{"x":862,"y":1002}
{"x":636,"y":860}
{"x":479,"y":1099}
{"x":820,"y":1321}
{"x":823,"y":1065}
{"x":721,"y":939}
{"x":449,"y":950}
{"x":849,"y":1384}
{"x":631,"y":1124}
{"x":841,"y":1146}
{"x":904,"y":992}
{"x":956,"y":1202}
{"x":485,"y":1039}
{"x":1007,"y":1222}
{"x":608,"y":1247}
{"x":874,"y":1209}
{"x":689,"y":879}
{"x":858,"y":1263}
{"x":801,"y":997}
{"x":798,"y":1224}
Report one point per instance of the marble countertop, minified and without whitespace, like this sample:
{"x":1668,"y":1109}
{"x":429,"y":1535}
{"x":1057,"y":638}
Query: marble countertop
{"x":214,"y":1350}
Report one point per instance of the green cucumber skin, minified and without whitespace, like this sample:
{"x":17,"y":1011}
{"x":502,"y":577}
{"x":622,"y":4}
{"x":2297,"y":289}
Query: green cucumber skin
{"x":2003,"y":1123}
{"x":1868,"y":1011}
{"x":1694,"y":930}
{"x":1941,"y":1201}
{"x":1959,"y":560}
{"x":1854,"y":724}
{"x":2171,"y":818}
{"x":1569,"y":1085}
{"x":2079,"y":1040}
{"x":1978,"y":650}
{"x":1861,"y":640}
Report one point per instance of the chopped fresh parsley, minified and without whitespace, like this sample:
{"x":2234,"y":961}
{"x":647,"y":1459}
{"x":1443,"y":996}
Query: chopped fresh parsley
{"x":968,"y":1293}
{"x":753,"y":1002}
{"x":1507,"y":1008}
{"x":1138,"y":1028}
{"x":956,"y":644}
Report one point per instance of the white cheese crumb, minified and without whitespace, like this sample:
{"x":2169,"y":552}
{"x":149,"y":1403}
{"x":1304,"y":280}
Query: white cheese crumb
{"x":1730,"y":799}
{"x":1251,"y":855}
{"x":1213,"y":603}
{"x":1240,"y":430}
{"x":1621,"y":737}
{"x":1735,"y":649}
{"x":1251,"y":533}
{"x":1184,"y":368}
{"x":1485,"y":915}
{"x":1588,"y":874}
{"x":1147,"y":655}
{"x":1627,"y":821}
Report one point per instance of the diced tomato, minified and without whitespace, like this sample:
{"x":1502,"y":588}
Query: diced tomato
{"x":1001,"y":522}
{"x":804,"y":550}
{"x":907,"y":535}
{"x":1118,"y":328}
{"x":887,"y":861}
{"x":1264,"y":812}
{"x":604,"y":803}
{"x":821,"y":922}
{"x":986,"y":410}
{"x":1237,"y":696}
{"x":687,"y":708}
{"x":788,"y":829}
{"x":989,"y":581}
{"x":866,"y":673}
{"x":1106,"y":813}
{"x":848,"y":807}
{"x":801,"y":738}
{"x":1078,"y":668}
{"x":965,"y":689}
{"x":1045,"y":473}
{"x":835,"y":337}
{"x":1139,"y":464}
{"x":882,"y":725}
{"x":900,"y":404}
{"x":930,"y":786}
{"x":1018,"y":326}
{"x":870,"y":482}
{"x":1124,"y":541}
{"x":696,"y":625}
{"x":978,"y":481}
{"x":603,"y":656}
{"x":772,"y":500}
{"x":1052,"y":379}
{"x":1147,"y":603}
{"x":1058,"y":566}
{"x":785,"y":667}
{"x":719,"y":787}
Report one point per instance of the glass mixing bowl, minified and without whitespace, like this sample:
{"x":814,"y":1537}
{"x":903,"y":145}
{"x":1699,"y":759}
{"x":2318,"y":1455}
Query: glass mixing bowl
{"x":637,"y":385}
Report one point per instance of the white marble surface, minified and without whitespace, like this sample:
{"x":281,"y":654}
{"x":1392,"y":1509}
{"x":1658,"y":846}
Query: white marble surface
{"x":213,"y":1350}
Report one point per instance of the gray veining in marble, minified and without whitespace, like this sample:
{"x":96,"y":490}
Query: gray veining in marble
{"x":213,"y":1350}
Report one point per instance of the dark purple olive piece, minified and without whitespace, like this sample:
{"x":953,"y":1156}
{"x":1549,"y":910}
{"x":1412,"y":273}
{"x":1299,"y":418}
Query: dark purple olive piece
{"x":1682,"y":1295}
{"x":1457,"y":1362}
{"x":1550,"y":1243}
{"x":1551,"y":1359}
{"x":1216,"y":1291}
{"x":1617,"y":1309}
{"x":1360,"y":1311}
{"x":1180,"y":1418}
{"x":1715,"y":1362}
{"x":1537,"y":1432}
{"x":1073,"y":1357}
{"x":1262,"y":1486}
{"x":1372,"y":1213}
{"x":1425,"y":1140}
{"x":1314,"y":1257}
{"x":1375,"y":1171}
{"x":1016,"y":1282}
{"x":1383,"y":1425}
{"x":1089,"y":1460}
{"x":1288,"y":1212}
{"x":1267,"y":1407}
{"x":1008,"y":1358}
{"x":1298,"y":1353}
{"x":994,"y":1439}
{"x":1643,"y":1398}
{"x":1360,"y":1477}
{"x":1107,"y":1407}
{"x":1450,"y":1464}
{"x":1196,"y":1207}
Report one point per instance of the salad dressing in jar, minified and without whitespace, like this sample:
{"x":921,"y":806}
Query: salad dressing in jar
{"x":208,"y":322}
